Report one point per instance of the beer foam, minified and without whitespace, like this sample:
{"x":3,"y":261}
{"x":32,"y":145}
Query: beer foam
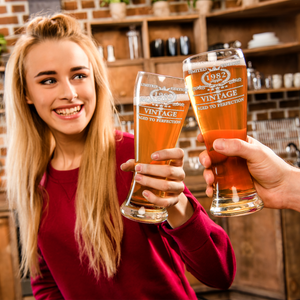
{"x":192,"y":67}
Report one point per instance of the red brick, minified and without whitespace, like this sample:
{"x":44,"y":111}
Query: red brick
{"x":184,"y":144}
{"x":263,"y":116}
{"x":139,"y":11}
{"x":79,"y":16}
{"x":9,"y":20}
{"x":249,"y":117}
{"x":3,"y":184}
{"x":4,"y":31}
{"x":178,"y":8}
{"x":101,"y":14}
{"x":138,"y":2}
{"x":3,"y":151}
{"x":87,"y":4}
{"x":18,"y":30}
{"x":128,"y":108}
{"x":293,"y":113}
{"x":2,"y":129}
{"x":11,"y":42}
{"x":194,"y":153}
{"x":3,"y":10}
{"x":71,"y":5}
{"x":18,"y":8}
{"x":2,"y":162}
{"x":2,"y":172}
{"x":277,"y":115}
{"x":198,"y":144}
{"x":103,"y":4}
{"x":25,"y":18}
{"x":262,"y":106}
{"x":249,"y":127}
{"x":289,"y":103}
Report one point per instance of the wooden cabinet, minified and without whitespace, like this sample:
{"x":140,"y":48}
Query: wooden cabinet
{"x":123,"y":71}
{"x":10,"y":285}
{"x":238,"y":23}
{"x":278,"y":16}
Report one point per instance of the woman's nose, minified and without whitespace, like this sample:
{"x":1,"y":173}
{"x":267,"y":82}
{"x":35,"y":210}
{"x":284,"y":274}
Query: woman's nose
{"x":67,"y":92}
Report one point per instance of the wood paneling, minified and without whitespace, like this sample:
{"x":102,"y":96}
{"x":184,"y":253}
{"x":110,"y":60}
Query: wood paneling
{"x":291,"y":234}
{"x":10,"y":288}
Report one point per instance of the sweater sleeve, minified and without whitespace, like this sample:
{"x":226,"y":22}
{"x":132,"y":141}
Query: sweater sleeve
{"x":44,"y":287}
{"x":205,"y":247}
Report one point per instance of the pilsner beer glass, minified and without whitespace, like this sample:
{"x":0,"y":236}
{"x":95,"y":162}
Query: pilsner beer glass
{"x":217,"y":87}
{"x":161,"y":104}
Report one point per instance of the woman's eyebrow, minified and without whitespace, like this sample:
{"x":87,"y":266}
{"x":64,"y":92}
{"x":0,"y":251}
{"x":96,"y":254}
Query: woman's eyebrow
{"x":45,"y":73}
{"x":79,"y":68}
{"x":54,"y":72}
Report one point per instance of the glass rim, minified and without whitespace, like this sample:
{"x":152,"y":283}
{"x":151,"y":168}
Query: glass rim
{"x":187,"y":60}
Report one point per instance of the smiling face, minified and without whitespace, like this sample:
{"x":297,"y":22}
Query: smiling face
{"x":60,"y":84}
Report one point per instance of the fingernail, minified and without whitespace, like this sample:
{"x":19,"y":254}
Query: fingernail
{"x":138,"y":177}
{"x":145,"y":194}
{"x":219,"y":144}
{"x":154,"y":156}
{"x":121,"y":167}
{"x":138,"y":168}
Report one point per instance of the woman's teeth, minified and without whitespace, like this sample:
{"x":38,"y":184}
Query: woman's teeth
{"x":68,"y":111}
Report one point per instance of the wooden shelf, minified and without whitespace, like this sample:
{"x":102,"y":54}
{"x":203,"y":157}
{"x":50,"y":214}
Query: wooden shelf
{"x":279,"y":49}
{"x":261,"y":10}
{"x":263,"y":91}
{"x":125,"y":62}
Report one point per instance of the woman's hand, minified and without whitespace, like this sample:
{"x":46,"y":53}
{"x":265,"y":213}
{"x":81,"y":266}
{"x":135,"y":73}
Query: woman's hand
{"x":178,"y":206}
{"x":276,"y":182}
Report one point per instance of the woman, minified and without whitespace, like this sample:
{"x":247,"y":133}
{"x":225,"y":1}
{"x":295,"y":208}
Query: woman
{"x":65,"y":180}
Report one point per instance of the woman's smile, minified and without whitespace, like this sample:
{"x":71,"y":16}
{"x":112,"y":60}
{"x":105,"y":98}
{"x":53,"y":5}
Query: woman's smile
{"x":61,"y":86}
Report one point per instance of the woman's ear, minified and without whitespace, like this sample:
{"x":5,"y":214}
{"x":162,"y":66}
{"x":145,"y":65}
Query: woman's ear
{"x":28,"y":100}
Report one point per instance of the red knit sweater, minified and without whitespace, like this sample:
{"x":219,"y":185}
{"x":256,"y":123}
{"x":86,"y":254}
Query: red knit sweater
{"x":153,"y":256}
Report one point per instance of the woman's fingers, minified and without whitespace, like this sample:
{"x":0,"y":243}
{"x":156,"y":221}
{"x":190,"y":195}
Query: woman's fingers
{"x":160,"y":184}
{"x":128,"y":166}
{"x":163,"y":171}
{"x":175,"y":155}
{"x":167,"y":201}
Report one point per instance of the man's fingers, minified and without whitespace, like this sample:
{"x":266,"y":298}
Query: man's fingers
{"x":205,"y":159}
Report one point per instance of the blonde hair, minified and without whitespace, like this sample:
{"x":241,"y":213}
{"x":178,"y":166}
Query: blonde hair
{"x":99,"y":226}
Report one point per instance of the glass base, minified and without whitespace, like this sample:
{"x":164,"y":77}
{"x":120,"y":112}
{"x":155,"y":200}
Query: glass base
{"x":143,"y":214}
{"x":229,"y":207}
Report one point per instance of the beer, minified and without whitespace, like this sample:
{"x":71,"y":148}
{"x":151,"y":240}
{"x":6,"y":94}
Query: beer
{"x":161,"y":104}
{"x":156,"y":128}
{"x":218,"y":93}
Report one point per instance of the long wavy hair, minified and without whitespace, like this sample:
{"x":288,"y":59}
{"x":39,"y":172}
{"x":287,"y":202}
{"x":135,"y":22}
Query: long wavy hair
{"x":99,"y":226}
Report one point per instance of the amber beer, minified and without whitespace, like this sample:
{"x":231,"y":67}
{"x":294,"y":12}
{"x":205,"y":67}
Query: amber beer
{"x":161,"y":104}
{"x":156,"y":128}
{"x":218,"y":93}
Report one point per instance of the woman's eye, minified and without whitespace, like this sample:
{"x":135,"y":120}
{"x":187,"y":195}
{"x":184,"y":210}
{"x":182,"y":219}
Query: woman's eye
{"x":48,"y":81}
{"x":80,"y":76}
